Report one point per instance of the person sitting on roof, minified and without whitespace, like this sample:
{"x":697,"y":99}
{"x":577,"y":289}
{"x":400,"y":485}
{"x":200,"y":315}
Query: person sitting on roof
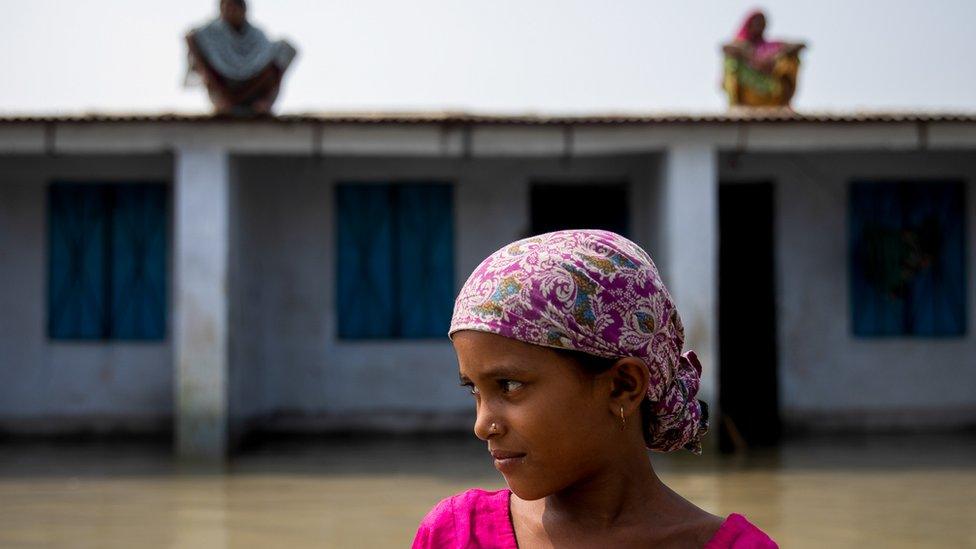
{"x":760,"y":72}
{"x":241,"y":68}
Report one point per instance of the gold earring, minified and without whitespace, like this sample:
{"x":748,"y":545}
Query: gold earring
{"x":623,"y":419}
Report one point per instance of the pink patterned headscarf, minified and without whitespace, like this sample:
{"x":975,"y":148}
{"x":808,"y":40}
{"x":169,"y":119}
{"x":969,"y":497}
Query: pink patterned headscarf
{"x":596,"y":292}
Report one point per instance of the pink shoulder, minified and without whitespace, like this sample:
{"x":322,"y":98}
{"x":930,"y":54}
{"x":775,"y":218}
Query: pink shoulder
{"x":738,"y":533}
{"x":453,"y":520}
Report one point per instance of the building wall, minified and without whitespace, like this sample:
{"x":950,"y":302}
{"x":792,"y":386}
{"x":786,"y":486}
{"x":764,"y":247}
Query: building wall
{"x":57,"y":386}
{"x":829,"y":378}
{"x":288,"y":369}
{"x":291,"y":366}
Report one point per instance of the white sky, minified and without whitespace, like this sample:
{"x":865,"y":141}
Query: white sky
{"x":553,"y":56}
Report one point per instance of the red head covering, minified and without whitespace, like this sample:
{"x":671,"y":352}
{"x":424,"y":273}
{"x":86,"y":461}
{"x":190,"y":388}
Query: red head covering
{"x":743,"y":33}
{"x":764,"y":48}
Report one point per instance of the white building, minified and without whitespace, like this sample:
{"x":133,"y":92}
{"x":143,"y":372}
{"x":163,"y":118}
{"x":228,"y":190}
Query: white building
{"x":188,"y":273}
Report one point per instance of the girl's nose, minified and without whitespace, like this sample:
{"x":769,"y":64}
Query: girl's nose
{"x":487,"y":424}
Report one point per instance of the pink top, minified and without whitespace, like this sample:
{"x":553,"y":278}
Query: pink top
{"x":477,"y":518}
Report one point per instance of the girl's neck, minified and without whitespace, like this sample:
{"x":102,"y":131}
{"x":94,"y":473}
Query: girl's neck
{"x":621,"y":494}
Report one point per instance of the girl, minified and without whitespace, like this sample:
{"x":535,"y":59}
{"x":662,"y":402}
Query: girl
{"x":571,"y":347}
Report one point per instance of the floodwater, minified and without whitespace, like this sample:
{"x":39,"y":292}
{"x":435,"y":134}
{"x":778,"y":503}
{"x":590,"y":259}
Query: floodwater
{"x":880,"y":491}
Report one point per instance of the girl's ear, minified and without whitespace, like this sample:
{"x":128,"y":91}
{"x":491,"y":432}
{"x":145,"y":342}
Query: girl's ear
{"x":628,"y":385}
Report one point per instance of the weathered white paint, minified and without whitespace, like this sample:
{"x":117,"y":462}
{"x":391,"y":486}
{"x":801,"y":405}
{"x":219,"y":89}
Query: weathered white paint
{"x":146,"y":137}
{"x":202,"y":182}
{"x":951,"y":136}
{"x":519,"y":141}
{"x":420,"y":140}
{"x":602,"y":140}
{"x":829,"y":137}
{"x":689,"y":215}
{"x":435,"y":139}
{"x":828,"y":377}
{"x":19,"y":139}
{"x":57,"y":386}
{"x":271,"y":239}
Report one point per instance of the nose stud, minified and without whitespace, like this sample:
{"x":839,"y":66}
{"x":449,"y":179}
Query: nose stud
{"x":493,"y":428}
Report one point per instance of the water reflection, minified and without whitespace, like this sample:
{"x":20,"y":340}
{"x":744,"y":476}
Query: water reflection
{"x":891,"y":491}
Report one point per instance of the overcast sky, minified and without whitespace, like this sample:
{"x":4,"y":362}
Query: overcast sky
{"x":552,"y":56}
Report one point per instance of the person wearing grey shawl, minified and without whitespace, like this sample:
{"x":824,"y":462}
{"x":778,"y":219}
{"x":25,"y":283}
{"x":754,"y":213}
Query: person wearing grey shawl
{"x":240,"y":67}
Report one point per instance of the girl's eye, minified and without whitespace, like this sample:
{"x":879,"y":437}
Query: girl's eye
{"x":509,"y":385}
{"x":471,"y":388}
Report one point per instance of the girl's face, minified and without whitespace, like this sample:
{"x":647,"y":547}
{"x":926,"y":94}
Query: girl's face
{"x":552,"y":423}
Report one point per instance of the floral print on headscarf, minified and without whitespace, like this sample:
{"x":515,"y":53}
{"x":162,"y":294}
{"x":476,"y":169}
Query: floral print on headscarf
{"x":596,"y":292}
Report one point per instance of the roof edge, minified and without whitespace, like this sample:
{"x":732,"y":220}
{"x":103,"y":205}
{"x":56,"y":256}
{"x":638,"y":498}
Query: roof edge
{"x":735,"y":116}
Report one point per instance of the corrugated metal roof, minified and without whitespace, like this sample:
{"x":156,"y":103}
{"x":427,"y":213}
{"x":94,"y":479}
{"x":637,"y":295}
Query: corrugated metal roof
{"x":731,"y":117}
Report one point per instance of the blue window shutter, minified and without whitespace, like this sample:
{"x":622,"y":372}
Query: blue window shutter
{"x":934,"y":232}
{"x":907,"y":258}
{"x":77,"y":225}
{"x":875,"y":246}
{"x":365,"y":267}
{"x":425,"y":242}
{"x":138,"y":273}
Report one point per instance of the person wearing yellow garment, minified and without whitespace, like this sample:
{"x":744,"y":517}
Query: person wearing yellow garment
{"x":760,"y":72}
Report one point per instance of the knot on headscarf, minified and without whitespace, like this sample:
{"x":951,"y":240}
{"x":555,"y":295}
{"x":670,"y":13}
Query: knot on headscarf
{"x":599,"y":293}
{"x":680,"y":420}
